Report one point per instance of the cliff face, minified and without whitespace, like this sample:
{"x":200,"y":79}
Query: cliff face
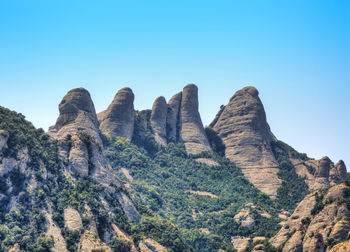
{"x":173,"y":116}
{"x":319,"y":221}
{"x":158,"y":120}
{"x":118,"y":118}
{"x":77,"y":111}
{"x":191,"y":128}
{"x":243,"y":127}
{"x":77,"y":131}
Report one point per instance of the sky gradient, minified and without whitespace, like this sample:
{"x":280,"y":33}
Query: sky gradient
{"x":296,"y":53}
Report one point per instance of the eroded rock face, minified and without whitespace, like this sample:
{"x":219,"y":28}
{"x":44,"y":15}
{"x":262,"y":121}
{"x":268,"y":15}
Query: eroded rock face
{"x":158,"y":120}
{"x":72,"y":219}
{"x":118,"y":118}
{"x":80,"y":146}
{"x":243,"y":127}
{"x":192,"y":131}
{"x":173,"y":116}
{"x":341,"y":170}
{"x":149,"y":245}
{"x":322,"y":174}
{"x":309,"y":231}
{"x":77,"y":111}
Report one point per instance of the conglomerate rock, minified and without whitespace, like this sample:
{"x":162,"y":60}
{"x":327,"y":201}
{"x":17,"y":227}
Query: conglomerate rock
{"x":243,"y":127}
{"x":158,"y":120}
{"x":118,"y":118}
{"x":192,"y":132}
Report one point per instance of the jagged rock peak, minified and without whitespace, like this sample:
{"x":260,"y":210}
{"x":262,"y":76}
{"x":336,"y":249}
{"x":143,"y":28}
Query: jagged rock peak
{"x":341,"y":170}
{"x":192,"y":131}
{"x":77,"y":113}
{"x":118,"y":118}
{"x":243,"y":127}
{"x":173,"y":116}
{"x":324,"y":166}
{"x":158,"y":120}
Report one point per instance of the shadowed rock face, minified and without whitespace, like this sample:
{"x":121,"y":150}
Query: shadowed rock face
{"x":341,"y":170}
{"x":323,"y":168}
{"x":77,"y":111}
{"x":118,"y":118}
{"x":192,"y":132}
{"x":173,"y":116}
{"x":243,"y":127}
{"x":322,"y":174}
{"x":158,"y":120}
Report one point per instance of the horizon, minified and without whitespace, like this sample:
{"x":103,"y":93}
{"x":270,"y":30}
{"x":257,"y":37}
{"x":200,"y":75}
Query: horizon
{"x":297,"y":55}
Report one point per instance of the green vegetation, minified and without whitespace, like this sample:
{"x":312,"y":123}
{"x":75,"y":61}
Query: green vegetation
{"x":168,"y":182}
{"x":216,"y":143}
{"x":293,"y":188}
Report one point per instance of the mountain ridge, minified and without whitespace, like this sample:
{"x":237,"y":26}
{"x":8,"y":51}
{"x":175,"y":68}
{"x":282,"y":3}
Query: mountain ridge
{"x":155,"y":172}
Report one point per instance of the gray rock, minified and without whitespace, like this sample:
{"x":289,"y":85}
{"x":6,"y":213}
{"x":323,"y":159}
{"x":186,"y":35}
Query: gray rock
{"x":173,"y":116}
{"x":341,"y":170}
{"x":323,"y":168}
{"x":158,"y":120}
{"x":118,"y":118}
{"x":192,"y":131}
{"x":243,"y":127}
{"x":77,"y":112}
{"x":72,"y":219}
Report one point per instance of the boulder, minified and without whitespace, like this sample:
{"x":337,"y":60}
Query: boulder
{"x":192,"y":132}
{"x":118,"y":118}
{"x":158,"y":120}
{"x":243,"y":127}
{"x":173,"y":116}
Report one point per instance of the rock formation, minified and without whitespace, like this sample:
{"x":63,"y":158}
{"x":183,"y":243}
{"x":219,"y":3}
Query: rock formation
{"x":341,"y":170}
{"x":191,"y":130}
{"x":308,"y":229}
{"x":173,"y":116}
{"x":243,"y":127}
{"x":77,"y":111}
{"x":158,"y":120}
{"x":118,"y":118}
{"x":322,"y":174}
{"x":79,"y":142}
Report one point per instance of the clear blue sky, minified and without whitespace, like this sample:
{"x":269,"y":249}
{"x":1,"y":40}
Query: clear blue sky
{"x":297,"y":53}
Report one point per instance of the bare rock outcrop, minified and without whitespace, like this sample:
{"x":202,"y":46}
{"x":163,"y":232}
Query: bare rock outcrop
{"x":173,"y":116}
{"x":192,"y":131}
{"x":341,"y":170}
{"x":322,"y":174}
{"x":118,"y":118}
{"x":319,"y":218}
{"x":80,"y":146}
{"x":72,"y":219}
{"x":243,"y":127}
{"x":149,"y":245}
{"x":158,"y":120}
{"x":89,"y":243}
{"x":77,"y":112}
